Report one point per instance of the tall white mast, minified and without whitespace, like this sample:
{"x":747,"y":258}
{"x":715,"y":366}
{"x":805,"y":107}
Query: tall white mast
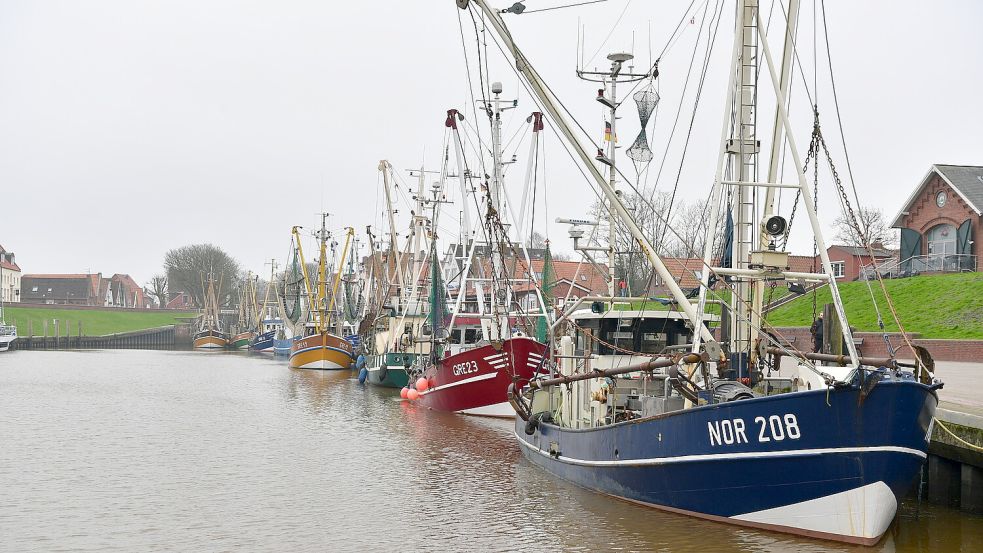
{"x":609,"y":97}
{"x":761,"y":263}
{"x":386,"y":168}
{"x":500,"y":278}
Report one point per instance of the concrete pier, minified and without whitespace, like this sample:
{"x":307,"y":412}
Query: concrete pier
{"x":955,"y":466}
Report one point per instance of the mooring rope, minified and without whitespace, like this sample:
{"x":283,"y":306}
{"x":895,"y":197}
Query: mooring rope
{"x":957,"y":438}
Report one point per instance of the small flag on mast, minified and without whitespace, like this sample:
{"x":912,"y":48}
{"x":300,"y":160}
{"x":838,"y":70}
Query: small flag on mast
{"x":607,"y":132}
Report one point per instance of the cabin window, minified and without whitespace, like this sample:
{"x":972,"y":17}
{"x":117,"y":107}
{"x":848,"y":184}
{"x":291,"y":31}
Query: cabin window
{"x":472,"y":335}
{"x":456,"y":336}
{"x":653,"y":342}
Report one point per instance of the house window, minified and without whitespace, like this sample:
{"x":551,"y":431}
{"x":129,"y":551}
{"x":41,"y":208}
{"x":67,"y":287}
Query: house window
{"x":838,"y":269}
{"x":583,"y":278}
{"x":35,"y":289}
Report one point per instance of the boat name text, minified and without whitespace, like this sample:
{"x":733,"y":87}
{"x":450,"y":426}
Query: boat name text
{"x":774,"y":428}
{"x":467,"y":367}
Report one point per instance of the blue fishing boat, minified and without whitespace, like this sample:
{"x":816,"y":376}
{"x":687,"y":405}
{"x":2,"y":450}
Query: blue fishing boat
{"x":740,"y":426}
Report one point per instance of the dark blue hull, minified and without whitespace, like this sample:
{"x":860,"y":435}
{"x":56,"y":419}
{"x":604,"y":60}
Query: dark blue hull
{"x":263,"y":342}
{"x":788,"y":462}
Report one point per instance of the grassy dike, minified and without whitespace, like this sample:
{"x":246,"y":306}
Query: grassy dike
{"x":936,"y":306}
{"x":94,"y":322}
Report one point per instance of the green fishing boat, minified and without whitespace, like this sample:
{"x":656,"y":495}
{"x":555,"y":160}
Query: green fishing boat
{"x":390,"y":370}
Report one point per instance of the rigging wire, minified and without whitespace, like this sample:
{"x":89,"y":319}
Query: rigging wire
{"x":559,"y":7}
{"x":610,"y":32}
{"x":772,"y":336}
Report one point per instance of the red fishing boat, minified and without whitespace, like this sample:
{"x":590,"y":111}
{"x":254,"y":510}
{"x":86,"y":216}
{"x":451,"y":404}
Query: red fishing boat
{"x":476,"y":381}
{"x":472,"y":365}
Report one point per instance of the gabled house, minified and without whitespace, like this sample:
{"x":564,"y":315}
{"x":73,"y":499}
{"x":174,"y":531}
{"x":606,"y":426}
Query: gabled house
{"x":125,"y":292}
{"x":67,"y":289}
{"x":10,"y":277}
{"x":941,"y":219}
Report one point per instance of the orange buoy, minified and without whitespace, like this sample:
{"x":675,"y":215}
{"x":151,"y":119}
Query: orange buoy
{"x":412,"y":394}
{"x":404,"y":392}
{"x":422,"y":384}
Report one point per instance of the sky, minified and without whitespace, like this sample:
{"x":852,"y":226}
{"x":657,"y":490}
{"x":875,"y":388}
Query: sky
{"x":130,"y":128}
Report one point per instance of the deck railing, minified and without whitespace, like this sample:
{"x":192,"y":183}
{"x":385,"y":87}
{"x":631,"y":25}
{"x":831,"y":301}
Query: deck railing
{"x":932,"y":263}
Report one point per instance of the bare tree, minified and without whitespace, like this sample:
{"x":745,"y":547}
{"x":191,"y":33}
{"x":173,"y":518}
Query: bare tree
{"x":870,"y":227}
{"x":157,"y":289}
{"x":189,"y":267}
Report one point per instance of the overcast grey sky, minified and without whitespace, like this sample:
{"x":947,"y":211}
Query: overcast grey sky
{"x":131,"y":127}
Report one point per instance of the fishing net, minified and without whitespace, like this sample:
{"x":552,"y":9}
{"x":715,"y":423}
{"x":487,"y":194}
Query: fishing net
{"x":546,"y":283}
{"x":640,"y":152}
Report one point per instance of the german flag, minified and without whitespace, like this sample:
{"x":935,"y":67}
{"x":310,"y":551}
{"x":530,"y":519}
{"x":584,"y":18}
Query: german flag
{"x":607,"y":132}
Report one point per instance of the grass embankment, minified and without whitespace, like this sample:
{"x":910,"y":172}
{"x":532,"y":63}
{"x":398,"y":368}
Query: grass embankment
{"x":94,"y":323}
{"x":935,"y":306}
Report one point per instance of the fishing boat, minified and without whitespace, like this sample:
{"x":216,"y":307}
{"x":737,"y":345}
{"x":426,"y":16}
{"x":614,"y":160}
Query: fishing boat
{"x":474,"y":379}
{"x":245,"y":326}
{"x":268,"y":325}
{"x":716,"y":441}
{"x":395,"y":319}
{"x":210,"y":334}
{"x":319,"y":347}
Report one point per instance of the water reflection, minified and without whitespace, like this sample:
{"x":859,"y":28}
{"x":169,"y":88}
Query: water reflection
{"x":130,"y":450}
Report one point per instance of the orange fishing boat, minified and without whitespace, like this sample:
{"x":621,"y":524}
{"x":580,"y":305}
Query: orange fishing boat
{"x":320,"y":348}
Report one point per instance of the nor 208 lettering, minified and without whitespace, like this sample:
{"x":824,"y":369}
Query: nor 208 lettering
{"x":774,"y":428}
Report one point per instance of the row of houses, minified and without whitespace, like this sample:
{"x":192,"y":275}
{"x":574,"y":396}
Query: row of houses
{"x":119,"y":290}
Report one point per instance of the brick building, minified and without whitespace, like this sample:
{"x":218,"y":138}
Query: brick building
{"x":940,"y":220}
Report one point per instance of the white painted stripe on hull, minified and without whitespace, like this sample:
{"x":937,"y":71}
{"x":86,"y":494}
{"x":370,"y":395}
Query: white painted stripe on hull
{"x":321,"y":364}
{"x":722,"y":456}
{"x":864,"y":512}
{"x":478,"y":378}
{"x":501,"y":410}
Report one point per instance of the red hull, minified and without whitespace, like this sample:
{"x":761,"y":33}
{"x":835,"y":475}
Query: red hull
{"x":477,"y":381}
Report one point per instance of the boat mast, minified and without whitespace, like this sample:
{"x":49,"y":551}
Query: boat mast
{"x":777,"y":141}
{"x":500,"y":288}
{"x":609,"y":97}
{"x":322,"y":295}
{"x":550,"y":103}
{"x":386,"y":168}
{"x":766,"y":263}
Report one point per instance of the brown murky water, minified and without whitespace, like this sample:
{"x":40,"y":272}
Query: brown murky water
{"x":149,"y":450}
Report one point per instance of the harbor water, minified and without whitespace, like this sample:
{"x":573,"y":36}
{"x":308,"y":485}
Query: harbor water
{"x":129,"y":450}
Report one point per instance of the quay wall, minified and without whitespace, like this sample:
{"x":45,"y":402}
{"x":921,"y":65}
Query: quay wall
{"x":873,"y":345}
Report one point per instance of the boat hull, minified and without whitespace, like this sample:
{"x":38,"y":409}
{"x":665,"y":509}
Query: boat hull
{"x":264,"y":342}
{"x":476,"y":381}
{"x":324,"y":351}
{"x":5,"y":342}
{"x":389,"y":370}
{"x":210,"y":339}
{"x":838,"y":471}
{"x":282,"y":347}
{"x":242,"y":340}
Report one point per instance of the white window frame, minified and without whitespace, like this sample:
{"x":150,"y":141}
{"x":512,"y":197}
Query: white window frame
{"x":839,"y":268}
